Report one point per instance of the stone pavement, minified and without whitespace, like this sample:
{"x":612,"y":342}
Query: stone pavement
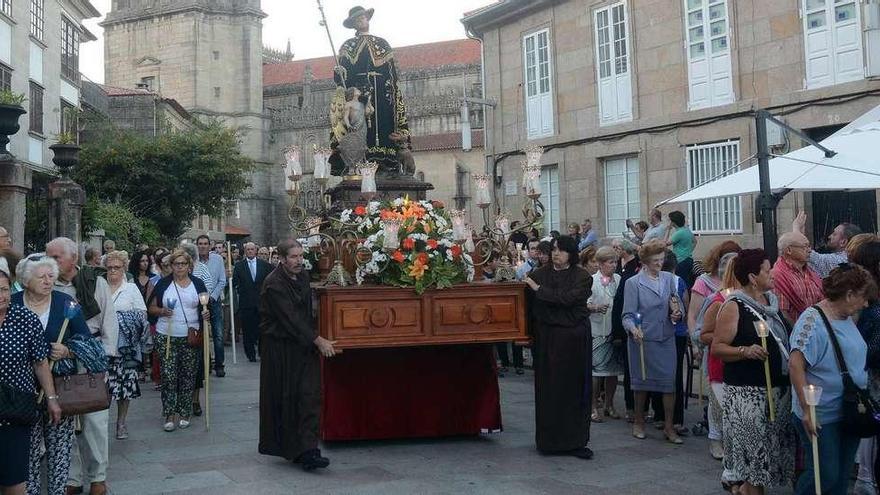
{"x":225,"y":460}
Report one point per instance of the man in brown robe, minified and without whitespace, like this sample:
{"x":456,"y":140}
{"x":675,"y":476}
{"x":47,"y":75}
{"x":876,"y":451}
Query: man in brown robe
{"x":290,"y":373}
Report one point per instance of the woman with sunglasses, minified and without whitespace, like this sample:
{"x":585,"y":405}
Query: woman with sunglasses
{"x":175,"y":301}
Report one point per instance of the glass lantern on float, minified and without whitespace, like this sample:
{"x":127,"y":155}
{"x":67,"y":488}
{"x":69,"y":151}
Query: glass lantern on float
{"x":367,"y":171}
{"x":391,"y":234}
{"x":496,"y":232}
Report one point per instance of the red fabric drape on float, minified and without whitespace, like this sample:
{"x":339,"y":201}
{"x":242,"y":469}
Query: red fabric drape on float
{"x":408,"y":392}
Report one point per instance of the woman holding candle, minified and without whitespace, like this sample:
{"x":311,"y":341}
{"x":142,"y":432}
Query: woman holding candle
{"x":561,"y":328}
{"x":607,"y":360}
{"x":751,"y":338}
{"x":37,"y":274}
{"x":176,"y":302}
{"x":650,"y":310}
{"x":131,"y":313}
{"x":813,"y":361}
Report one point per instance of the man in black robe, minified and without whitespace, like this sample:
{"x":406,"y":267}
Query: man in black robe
{"x":367,"y":63}
{"x":290,"y":372}
{"x":562,"y":352}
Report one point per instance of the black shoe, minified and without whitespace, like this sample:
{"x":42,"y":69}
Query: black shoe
{"x":220,"y":372}
{"x":519,"y":371}
{"x":583,"y":453}
{"x":311,"y":460}
{"x":197,"y":409}
{"x":252,"y":359}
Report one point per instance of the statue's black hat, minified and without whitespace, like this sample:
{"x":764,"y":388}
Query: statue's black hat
{"x":354,"y":13}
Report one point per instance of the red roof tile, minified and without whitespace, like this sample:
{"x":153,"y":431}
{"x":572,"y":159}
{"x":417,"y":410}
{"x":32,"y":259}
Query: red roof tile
{"x":422,"y":56}
{"x":451,"y":141}
{"x":236,"y":230}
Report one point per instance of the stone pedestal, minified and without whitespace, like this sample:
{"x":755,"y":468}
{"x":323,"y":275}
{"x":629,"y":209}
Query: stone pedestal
{"x":66,"y":200}
{"x":15,"y":183}
{"x":347,"y":194}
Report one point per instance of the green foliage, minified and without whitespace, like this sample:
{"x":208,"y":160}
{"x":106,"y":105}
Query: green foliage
{"x":65,"y":138}
{"x":167,"y":179}
{"x":120,"y":224}
{"x":9,"y":98}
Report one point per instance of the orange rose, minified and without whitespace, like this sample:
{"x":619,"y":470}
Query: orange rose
{"x":417,"y":271}
{"x":398,"y":256}
{"x":360,"y":211}
{"x":432,"y":244}
{"x":409,"y":243}
{"x":422,"y":258}
{"x":456,"y":250}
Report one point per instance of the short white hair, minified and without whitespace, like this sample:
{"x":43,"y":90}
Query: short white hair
{"x":66,"y":244}
{"x":250,"y":244}
{"x":26,"y":267}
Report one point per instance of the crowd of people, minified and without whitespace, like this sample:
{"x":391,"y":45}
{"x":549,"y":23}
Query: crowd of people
{"x":653,"y":313}
{"x":637,"y":311}
{"x":129,"y":316}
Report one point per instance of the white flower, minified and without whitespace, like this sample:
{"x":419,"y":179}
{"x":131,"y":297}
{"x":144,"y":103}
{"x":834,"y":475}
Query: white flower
{"x":397,"y":202}
{"x":307,"y":265}
{"x":373,"y":207}
{"x":345,"y":216}
{"x":427,"y":205}
{"x":359,"y":276}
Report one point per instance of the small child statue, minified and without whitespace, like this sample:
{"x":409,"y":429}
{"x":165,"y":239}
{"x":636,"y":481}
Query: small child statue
{"x":353,"y":146}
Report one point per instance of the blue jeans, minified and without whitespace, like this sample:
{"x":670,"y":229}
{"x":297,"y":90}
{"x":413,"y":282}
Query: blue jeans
{"x":217,"y":332}
{"x":837,"y":453}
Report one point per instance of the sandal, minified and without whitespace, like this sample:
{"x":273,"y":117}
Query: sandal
{"x":596,"y":417}
{"x":673,"y":439}
{"x":638,"y":432}
{"x":611,"y":413}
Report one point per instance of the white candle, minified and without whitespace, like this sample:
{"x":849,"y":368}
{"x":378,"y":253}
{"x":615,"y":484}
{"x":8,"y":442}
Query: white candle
{"x":458,"y":224}
{"x":294,"y":167}
{"x":531,"y":180}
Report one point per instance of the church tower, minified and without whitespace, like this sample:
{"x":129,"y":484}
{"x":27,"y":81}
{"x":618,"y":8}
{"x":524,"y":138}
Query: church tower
{"x":207,"y":55}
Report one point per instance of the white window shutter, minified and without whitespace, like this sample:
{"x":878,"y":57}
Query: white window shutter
{"x":533,"y":115}
{"x":832,"y":42}
{"x":546,"y":112}
{"x":613,"y":64}
{"x":537,"y":77}
{"x":707,"y":48}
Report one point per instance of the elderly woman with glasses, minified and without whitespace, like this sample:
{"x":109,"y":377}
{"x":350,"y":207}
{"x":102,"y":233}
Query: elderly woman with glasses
{"x":37,"y":275}
{"x":131,"y":313}
{"x":175,"y":302}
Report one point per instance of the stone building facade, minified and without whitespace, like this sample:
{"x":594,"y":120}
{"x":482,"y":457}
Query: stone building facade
{"x":638,"y":100}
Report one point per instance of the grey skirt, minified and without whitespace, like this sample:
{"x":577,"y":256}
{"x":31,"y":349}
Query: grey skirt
{"x":607,"y":357}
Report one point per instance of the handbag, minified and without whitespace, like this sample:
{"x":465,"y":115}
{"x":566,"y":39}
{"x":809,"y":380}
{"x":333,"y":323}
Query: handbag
{"x":17,"y":406}
{"x":81,"y":393}
{"x":194,"y":336}
{"x":860,"y":416}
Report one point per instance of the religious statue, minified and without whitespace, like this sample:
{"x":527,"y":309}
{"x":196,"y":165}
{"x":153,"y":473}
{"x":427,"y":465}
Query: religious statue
{"x":366,"y":62}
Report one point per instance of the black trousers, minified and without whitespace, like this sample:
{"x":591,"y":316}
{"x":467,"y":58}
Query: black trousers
{"x":628,"y":397}
{"x":250,"y":322}
{"x":504,"y":356}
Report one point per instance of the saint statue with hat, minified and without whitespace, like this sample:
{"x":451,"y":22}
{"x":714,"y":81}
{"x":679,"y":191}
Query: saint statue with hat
{"x":367,"y":63}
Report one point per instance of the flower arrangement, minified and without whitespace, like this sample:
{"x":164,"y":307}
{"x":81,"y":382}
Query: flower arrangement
{"x":408,"y":243}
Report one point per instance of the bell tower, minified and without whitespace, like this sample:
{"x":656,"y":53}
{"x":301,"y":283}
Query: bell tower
{"x":207,"y":55}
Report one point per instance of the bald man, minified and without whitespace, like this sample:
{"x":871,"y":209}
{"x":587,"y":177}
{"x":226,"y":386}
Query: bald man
{"x":795,"y":283}
{"x":247,"y":279}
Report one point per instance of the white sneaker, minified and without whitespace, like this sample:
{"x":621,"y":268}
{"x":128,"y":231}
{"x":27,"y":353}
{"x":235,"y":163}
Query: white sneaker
{"x":169,"y":426}
{"x":184,"y":424}
{"x":716,"y":449}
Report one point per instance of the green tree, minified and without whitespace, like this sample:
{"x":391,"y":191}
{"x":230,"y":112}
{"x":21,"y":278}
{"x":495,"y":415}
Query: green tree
{"x":167,"y":179}
{"x":121,"y":224}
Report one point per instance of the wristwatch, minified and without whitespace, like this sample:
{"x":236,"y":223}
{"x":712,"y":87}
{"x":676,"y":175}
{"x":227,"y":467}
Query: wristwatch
{"x":52,"y":397}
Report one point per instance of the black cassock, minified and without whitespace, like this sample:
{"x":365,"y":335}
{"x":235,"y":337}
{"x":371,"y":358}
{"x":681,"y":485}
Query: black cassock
{"x":562,"y":358}
{"x":370,"y":66}
{"x":290,"y":371}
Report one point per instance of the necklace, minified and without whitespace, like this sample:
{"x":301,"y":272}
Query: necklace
{"x":43,"y":305}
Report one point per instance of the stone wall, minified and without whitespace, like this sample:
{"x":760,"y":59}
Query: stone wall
{"x":768,"y":70}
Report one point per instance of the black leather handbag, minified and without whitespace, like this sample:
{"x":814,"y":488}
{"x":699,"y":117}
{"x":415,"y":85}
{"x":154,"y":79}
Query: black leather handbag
{"x":16,"y":406}
{"x":860,"y":412}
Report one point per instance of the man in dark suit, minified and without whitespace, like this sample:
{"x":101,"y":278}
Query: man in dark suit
{"x":247,"y":278}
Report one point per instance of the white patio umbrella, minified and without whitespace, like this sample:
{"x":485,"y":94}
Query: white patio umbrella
{"x":856,"y":166}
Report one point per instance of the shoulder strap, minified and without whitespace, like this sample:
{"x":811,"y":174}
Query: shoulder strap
{"x":841,"y":363}
{"x":180,"y":301}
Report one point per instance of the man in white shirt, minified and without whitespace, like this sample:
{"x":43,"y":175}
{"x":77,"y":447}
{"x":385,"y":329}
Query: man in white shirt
{"x":823,"y":263}
{"x":657,"y":230}
{"x":90,"y":457}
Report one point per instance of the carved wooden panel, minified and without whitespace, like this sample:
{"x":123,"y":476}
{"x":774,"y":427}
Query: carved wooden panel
{"x":373,"y":316}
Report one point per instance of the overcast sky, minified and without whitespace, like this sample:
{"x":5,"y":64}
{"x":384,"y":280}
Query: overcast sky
{"x":401,"y":22}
